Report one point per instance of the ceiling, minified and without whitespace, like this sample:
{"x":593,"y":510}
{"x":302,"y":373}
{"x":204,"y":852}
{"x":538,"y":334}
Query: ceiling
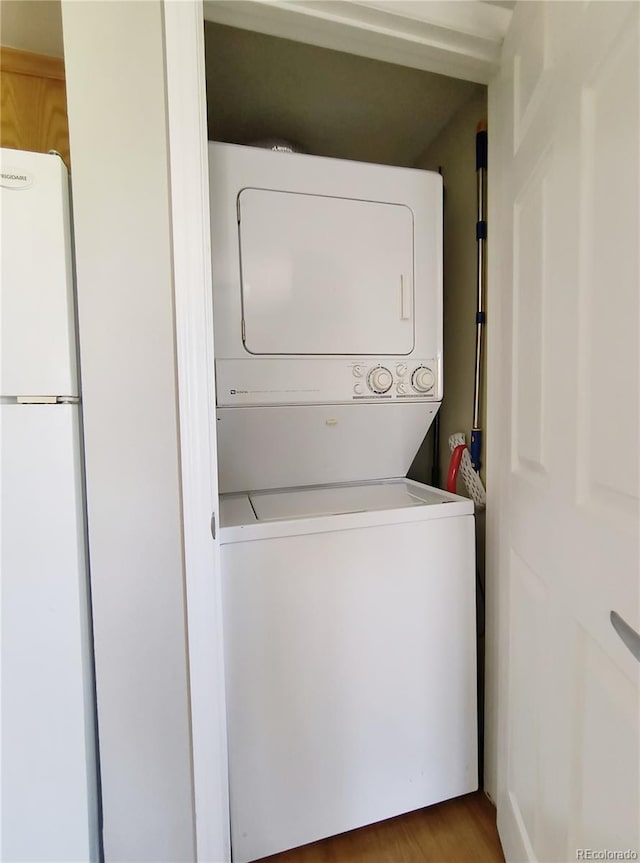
{"x":328,"y":102}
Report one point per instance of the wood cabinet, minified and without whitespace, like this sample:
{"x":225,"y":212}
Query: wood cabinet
{"x":34,"y":103}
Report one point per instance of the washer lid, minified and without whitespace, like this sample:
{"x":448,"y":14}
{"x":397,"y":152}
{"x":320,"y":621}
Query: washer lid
{"x":336,"y":500}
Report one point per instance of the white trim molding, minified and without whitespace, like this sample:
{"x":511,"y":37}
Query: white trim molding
{"x":461,"y":39}
{"x":188,"y":169}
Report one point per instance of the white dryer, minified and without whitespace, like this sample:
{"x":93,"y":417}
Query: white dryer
{"x":349,"y":591}
{"x":327,"y":291}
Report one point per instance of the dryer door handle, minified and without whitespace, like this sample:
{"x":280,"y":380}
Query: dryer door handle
{"x":405,"y":298}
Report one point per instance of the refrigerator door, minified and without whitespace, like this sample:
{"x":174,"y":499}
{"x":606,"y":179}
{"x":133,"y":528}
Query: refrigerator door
{"x":49,"y":785}
{"x":37,"y":327}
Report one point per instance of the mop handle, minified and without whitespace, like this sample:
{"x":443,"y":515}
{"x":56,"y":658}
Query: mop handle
{"x":475,"y":448}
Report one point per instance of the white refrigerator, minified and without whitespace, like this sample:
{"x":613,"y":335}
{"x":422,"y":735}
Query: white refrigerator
{"x":49,"y":788}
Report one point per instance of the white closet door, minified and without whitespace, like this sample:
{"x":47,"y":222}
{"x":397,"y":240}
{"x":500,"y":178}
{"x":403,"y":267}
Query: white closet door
{"x":324,"y":275}
{"x":565,"y":384}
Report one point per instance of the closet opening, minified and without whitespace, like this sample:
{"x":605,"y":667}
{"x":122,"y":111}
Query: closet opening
{"x":270,"y":91}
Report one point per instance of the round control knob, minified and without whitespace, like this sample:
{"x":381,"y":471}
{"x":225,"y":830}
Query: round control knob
{"x":357,"y":371}
{"x":401,"y":369}
{"x":422,"y":379}
{"x":380,"y":380}
{"x":401,"y":388}
{"x":357,"y":388}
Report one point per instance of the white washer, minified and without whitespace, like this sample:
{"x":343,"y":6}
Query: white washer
{"x":349,"y":626}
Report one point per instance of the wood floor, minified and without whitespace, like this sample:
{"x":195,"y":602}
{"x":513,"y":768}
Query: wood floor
{"x":457,"y":831}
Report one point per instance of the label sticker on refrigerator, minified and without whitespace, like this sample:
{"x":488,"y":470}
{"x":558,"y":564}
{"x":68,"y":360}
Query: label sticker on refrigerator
{"x":15,"y":180}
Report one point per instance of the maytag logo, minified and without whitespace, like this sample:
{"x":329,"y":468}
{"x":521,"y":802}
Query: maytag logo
{"x":238,"y":392}
{"x":11,"y":180}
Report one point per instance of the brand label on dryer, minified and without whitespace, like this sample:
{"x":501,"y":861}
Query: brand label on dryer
{"x":264,"y":392}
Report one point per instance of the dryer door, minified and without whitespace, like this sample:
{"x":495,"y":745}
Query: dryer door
{"x":323,"y":275}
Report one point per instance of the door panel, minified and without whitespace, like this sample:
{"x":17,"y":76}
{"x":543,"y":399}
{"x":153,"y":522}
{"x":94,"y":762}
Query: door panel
{"x":564,"y":277}
{"x":323,"y":275}
{"x":609,"y":280}
{"x":531,"y":220}
{"x":606,"y":754}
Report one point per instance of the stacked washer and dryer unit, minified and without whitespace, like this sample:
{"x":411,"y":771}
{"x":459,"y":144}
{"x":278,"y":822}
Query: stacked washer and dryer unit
{"x":348,"y":590}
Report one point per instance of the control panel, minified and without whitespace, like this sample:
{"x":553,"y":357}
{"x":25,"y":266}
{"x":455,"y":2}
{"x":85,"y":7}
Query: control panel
{"x":299,"y":381}
{"x":395,"y":380}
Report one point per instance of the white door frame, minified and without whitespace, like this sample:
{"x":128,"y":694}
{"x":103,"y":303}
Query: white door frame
{"x":498,"y":421}
{"x":189,"y":179}
{"x":188,"y":169}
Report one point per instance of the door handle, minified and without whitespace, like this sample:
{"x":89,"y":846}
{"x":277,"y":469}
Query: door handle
{"x":628,"y":635}
{"x":405,"y":298}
